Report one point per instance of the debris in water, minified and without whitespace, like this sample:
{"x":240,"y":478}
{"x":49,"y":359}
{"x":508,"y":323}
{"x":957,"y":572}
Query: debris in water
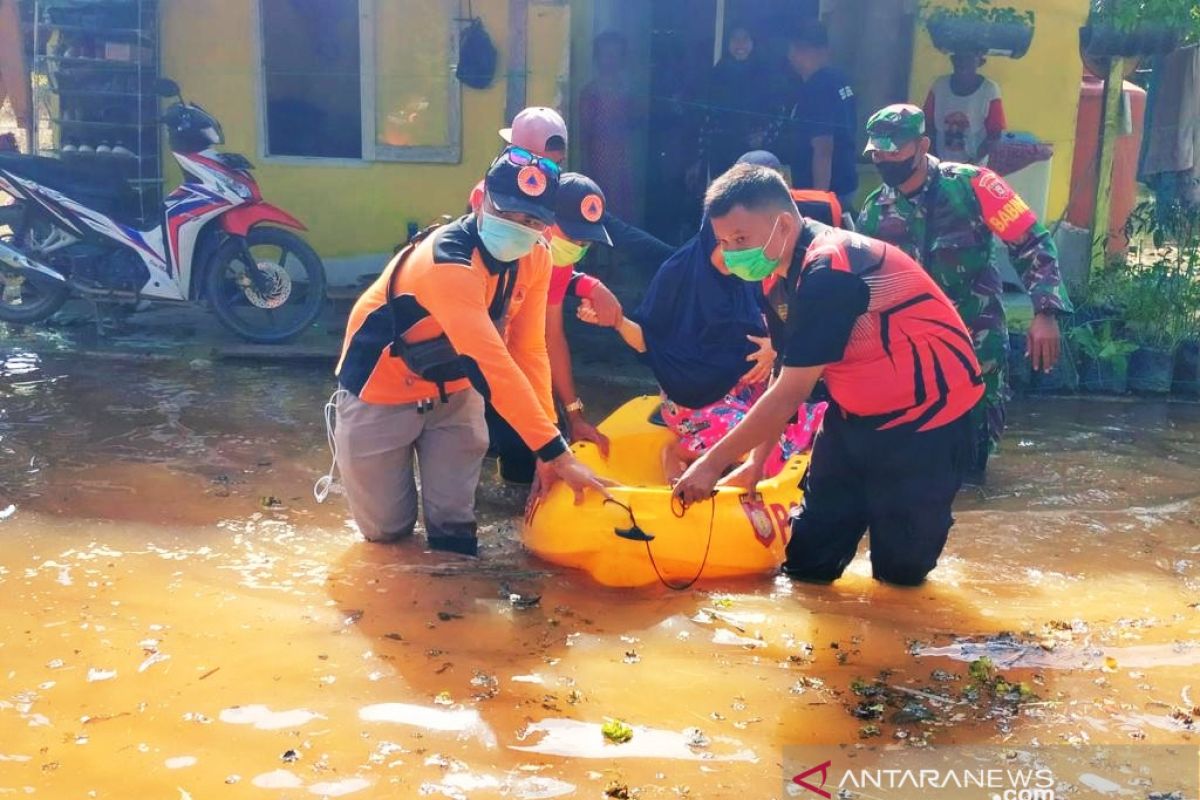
{"x":232,"y":779}
{"x":523,"y":601}
{"x":270,"y":502}
{"x":290,"y":756}
{"x":942,"y":676}
{"x":153,"y":659}
{"x":632,"y":657}
{"x":210,"y":673}
{"x":912,"y":712}
{"x":95,"y":674}
{"x":1110,"y":664}
{"x":696,"y":738}
{"x":616,"y":731}
{"x":617,"y":790}
{"x":868,"y":710}
{"x":446,"y":616}
{"x":868,"y":731}
{"x":443,"y":699}
{"x":7,"y":512}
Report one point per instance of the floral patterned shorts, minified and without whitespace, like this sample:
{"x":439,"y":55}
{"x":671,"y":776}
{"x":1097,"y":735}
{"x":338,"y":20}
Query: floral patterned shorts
{"x":698,"y":429}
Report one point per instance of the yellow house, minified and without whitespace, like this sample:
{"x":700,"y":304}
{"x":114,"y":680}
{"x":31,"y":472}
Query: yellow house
{"x":356,"y":124}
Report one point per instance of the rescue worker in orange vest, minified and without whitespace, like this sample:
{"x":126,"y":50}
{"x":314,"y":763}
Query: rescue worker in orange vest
{"x":457,"y":317}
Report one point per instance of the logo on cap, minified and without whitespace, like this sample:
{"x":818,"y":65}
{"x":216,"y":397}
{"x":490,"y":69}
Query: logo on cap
{"x":532,"y":181}
{"x":592,"y":207}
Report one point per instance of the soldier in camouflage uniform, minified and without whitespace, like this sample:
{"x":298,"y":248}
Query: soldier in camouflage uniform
{"x":946,"y":216}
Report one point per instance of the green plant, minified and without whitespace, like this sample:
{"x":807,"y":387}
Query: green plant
{"x":975,"y":10}
{"x":1127,"y":15}
{"x":1096,"y":341}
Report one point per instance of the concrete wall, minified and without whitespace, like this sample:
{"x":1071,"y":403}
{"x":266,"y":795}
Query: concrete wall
{"x":360,"y":210}
{"x":1040,"y":91}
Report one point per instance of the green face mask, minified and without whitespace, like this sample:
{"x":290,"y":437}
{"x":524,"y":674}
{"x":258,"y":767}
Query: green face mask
{"x":564,"y":253}
{"x":752,"y":263}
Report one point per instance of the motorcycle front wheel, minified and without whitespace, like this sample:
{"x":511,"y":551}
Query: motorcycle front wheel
{"x":25,"y":300}
{"x":276,"y":296}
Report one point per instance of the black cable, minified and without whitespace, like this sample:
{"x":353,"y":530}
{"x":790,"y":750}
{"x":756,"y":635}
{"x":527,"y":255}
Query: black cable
{"x":678,"y":515}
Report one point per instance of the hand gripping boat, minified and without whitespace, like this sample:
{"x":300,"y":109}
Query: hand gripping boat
{"x":645,"y":537}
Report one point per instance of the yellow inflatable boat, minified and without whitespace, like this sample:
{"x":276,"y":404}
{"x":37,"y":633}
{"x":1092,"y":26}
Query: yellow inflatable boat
{"x":642,"y":539}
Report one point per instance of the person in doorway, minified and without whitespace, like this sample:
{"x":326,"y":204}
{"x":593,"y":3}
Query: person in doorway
{"x":964,"y":113}
{"x":897,"y":359}
{"x":609,"y":118}
{"x":456,"y":317}
{"x":736,"y":106}
{"x":819,"y":117}
{"x":542,"y":132}
{"x":945,"y":215}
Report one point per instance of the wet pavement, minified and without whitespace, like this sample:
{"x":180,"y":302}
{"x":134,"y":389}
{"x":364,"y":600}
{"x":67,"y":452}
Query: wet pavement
{"x":182,"y":620}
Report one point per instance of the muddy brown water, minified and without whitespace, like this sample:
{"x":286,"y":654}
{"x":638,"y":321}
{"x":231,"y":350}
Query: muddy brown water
{"x":165,"y":632}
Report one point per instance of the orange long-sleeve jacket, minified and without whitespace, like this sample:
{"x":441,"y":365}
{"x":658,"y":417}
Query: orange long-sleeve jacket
{"x":447,"y":284}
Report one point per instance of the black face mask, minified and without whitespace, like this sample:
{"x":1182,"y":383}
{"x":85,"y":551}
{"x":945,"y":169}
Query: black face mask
{"x":895,"y":173}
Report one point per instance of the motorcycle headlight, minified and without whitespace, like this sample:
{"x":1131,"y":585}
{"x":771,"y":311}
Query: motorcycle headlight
{"x":243,"y":191}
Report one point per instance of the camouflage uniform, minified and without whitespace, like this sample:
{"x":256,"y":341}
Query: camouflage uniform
{"x":970,"y":206}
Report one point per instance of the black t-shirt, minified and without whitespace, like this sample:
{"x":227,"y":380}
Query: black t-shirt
{"x":821,"y":315}
{"x":823,"y":105}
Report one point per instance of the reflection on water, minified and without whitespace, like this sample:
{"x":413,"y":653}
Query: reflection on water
{"x":168,"y":630}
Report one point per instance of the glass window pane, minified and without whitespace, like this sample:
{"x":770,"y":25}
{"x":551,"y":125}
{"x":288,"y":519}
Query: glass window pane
{"x":311,"y":69}
{"x":413,"y":73}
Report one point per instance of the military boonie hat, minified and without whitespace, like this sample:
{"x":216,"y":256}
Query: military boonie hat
{"x":894,"y":126}
{"x":579,"y":209}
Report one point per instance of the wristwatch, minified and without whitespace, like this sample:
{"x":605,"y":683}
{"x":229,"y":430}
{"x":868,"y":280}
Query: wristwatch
{"x":574,"y":406}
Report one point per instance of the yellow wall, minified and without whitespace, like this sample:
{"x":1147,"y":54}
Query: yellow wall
{"x":1040,"y":91}
{"x":351,"y":209}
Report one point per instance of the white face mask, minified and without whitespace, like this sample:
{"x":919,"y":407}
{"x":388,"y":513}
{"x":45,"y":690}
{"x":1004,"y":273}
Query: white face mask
{"x":504,"y":239}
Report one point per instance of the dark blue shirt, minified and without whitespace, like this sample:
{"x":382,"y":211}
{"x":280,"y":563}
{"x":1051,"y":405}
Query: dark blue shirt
{"x":823,"y":105}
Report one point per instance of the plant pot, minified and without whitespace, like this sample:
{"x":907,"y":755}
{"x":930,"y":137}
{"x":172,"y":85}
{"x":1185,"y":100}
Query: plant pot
{"x":1102,"y":376}
{"x":1018,"y":364}
{"x":1063,"y":379}
{"x":1150,"y":370}
{"x":1186,"y":380}
{"x":1101,"y":40}
{"x":957,"y":35}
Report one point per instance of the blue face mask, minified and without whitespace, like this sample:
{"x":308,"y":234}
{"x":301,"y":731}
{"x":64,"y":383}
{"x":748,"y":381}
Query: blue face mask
{"x":504,"y":239}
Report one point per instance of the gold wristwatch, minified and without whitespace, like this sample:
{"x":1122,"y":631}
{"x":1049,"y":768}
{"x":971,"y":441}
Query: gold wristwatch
{"x":574,"y":406}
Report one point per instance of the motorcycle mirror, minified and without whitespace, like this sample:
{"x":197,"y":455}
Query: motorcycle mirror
{"x":165,"y":87}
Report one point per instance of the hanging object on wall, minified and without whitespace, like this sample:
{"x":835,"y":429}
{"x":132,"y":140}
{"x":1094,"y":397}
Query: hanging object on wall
{"x":476,"y":53}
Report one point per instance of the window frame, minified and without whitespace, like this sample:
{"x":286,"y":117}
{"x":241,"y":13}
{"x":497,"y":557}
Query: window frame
{"x":372,"y":150}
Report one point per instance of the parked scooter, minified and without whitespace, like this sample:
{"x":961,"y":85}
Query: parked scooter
{"x":73,"y":232}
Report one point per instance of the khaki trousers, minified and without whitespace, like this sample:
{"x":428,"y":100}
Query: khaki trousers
{"x":376,"y":445}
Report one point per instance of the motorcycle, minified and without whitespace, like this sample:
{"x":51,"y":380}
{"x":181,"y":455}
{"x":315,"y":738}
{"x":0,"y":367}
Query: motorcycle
{"x":73,"y":232}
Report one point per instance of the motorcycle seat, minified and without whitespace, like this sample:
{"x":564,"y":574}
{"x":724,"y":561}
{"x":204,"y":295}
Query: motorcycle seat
{"x":98,"y":189}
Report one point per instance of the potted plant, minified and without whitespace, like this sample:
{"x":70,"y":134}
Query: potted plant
{"x":1103,"y":357}
{"x":1157,"y":302}
{"x":1135,"y":28}
{"x":978,"y":26}
{"x":1164,"y":299}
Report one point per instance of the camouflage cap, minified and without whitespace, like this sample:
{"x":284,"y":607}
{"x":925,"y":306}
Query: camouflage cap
{"x":894,"y":126}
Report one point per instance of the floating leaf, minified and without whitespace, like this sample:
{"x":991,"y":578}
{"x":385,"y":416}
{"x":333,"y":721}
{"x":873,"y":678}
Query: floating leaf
{"x":616,"y":731}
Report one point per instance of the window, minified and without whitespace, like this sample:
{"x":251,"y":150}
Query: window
{"x":360,"y":79}
{"x":311,"y":73}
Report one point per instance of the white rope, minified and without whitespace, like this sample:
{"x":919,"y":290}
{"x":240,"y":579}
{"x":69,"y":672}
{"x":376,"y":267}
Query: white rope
{"x":328,"y":482}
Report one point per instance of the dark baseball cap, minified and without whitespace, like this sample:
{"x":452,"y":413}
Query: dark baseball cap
{"x":580,"y":208}
{"x":762,"y":158}
{"x":529,"y":189}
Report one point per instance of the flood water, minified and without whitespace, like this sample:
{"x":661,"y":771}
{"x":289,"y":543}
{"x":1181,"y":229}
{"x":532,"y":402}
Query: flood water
{"x":180,"y":619}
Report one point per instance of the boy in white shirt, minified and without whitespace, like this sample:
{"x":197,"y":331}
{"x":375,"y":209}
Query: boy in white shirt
{"x":963,"y":112}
